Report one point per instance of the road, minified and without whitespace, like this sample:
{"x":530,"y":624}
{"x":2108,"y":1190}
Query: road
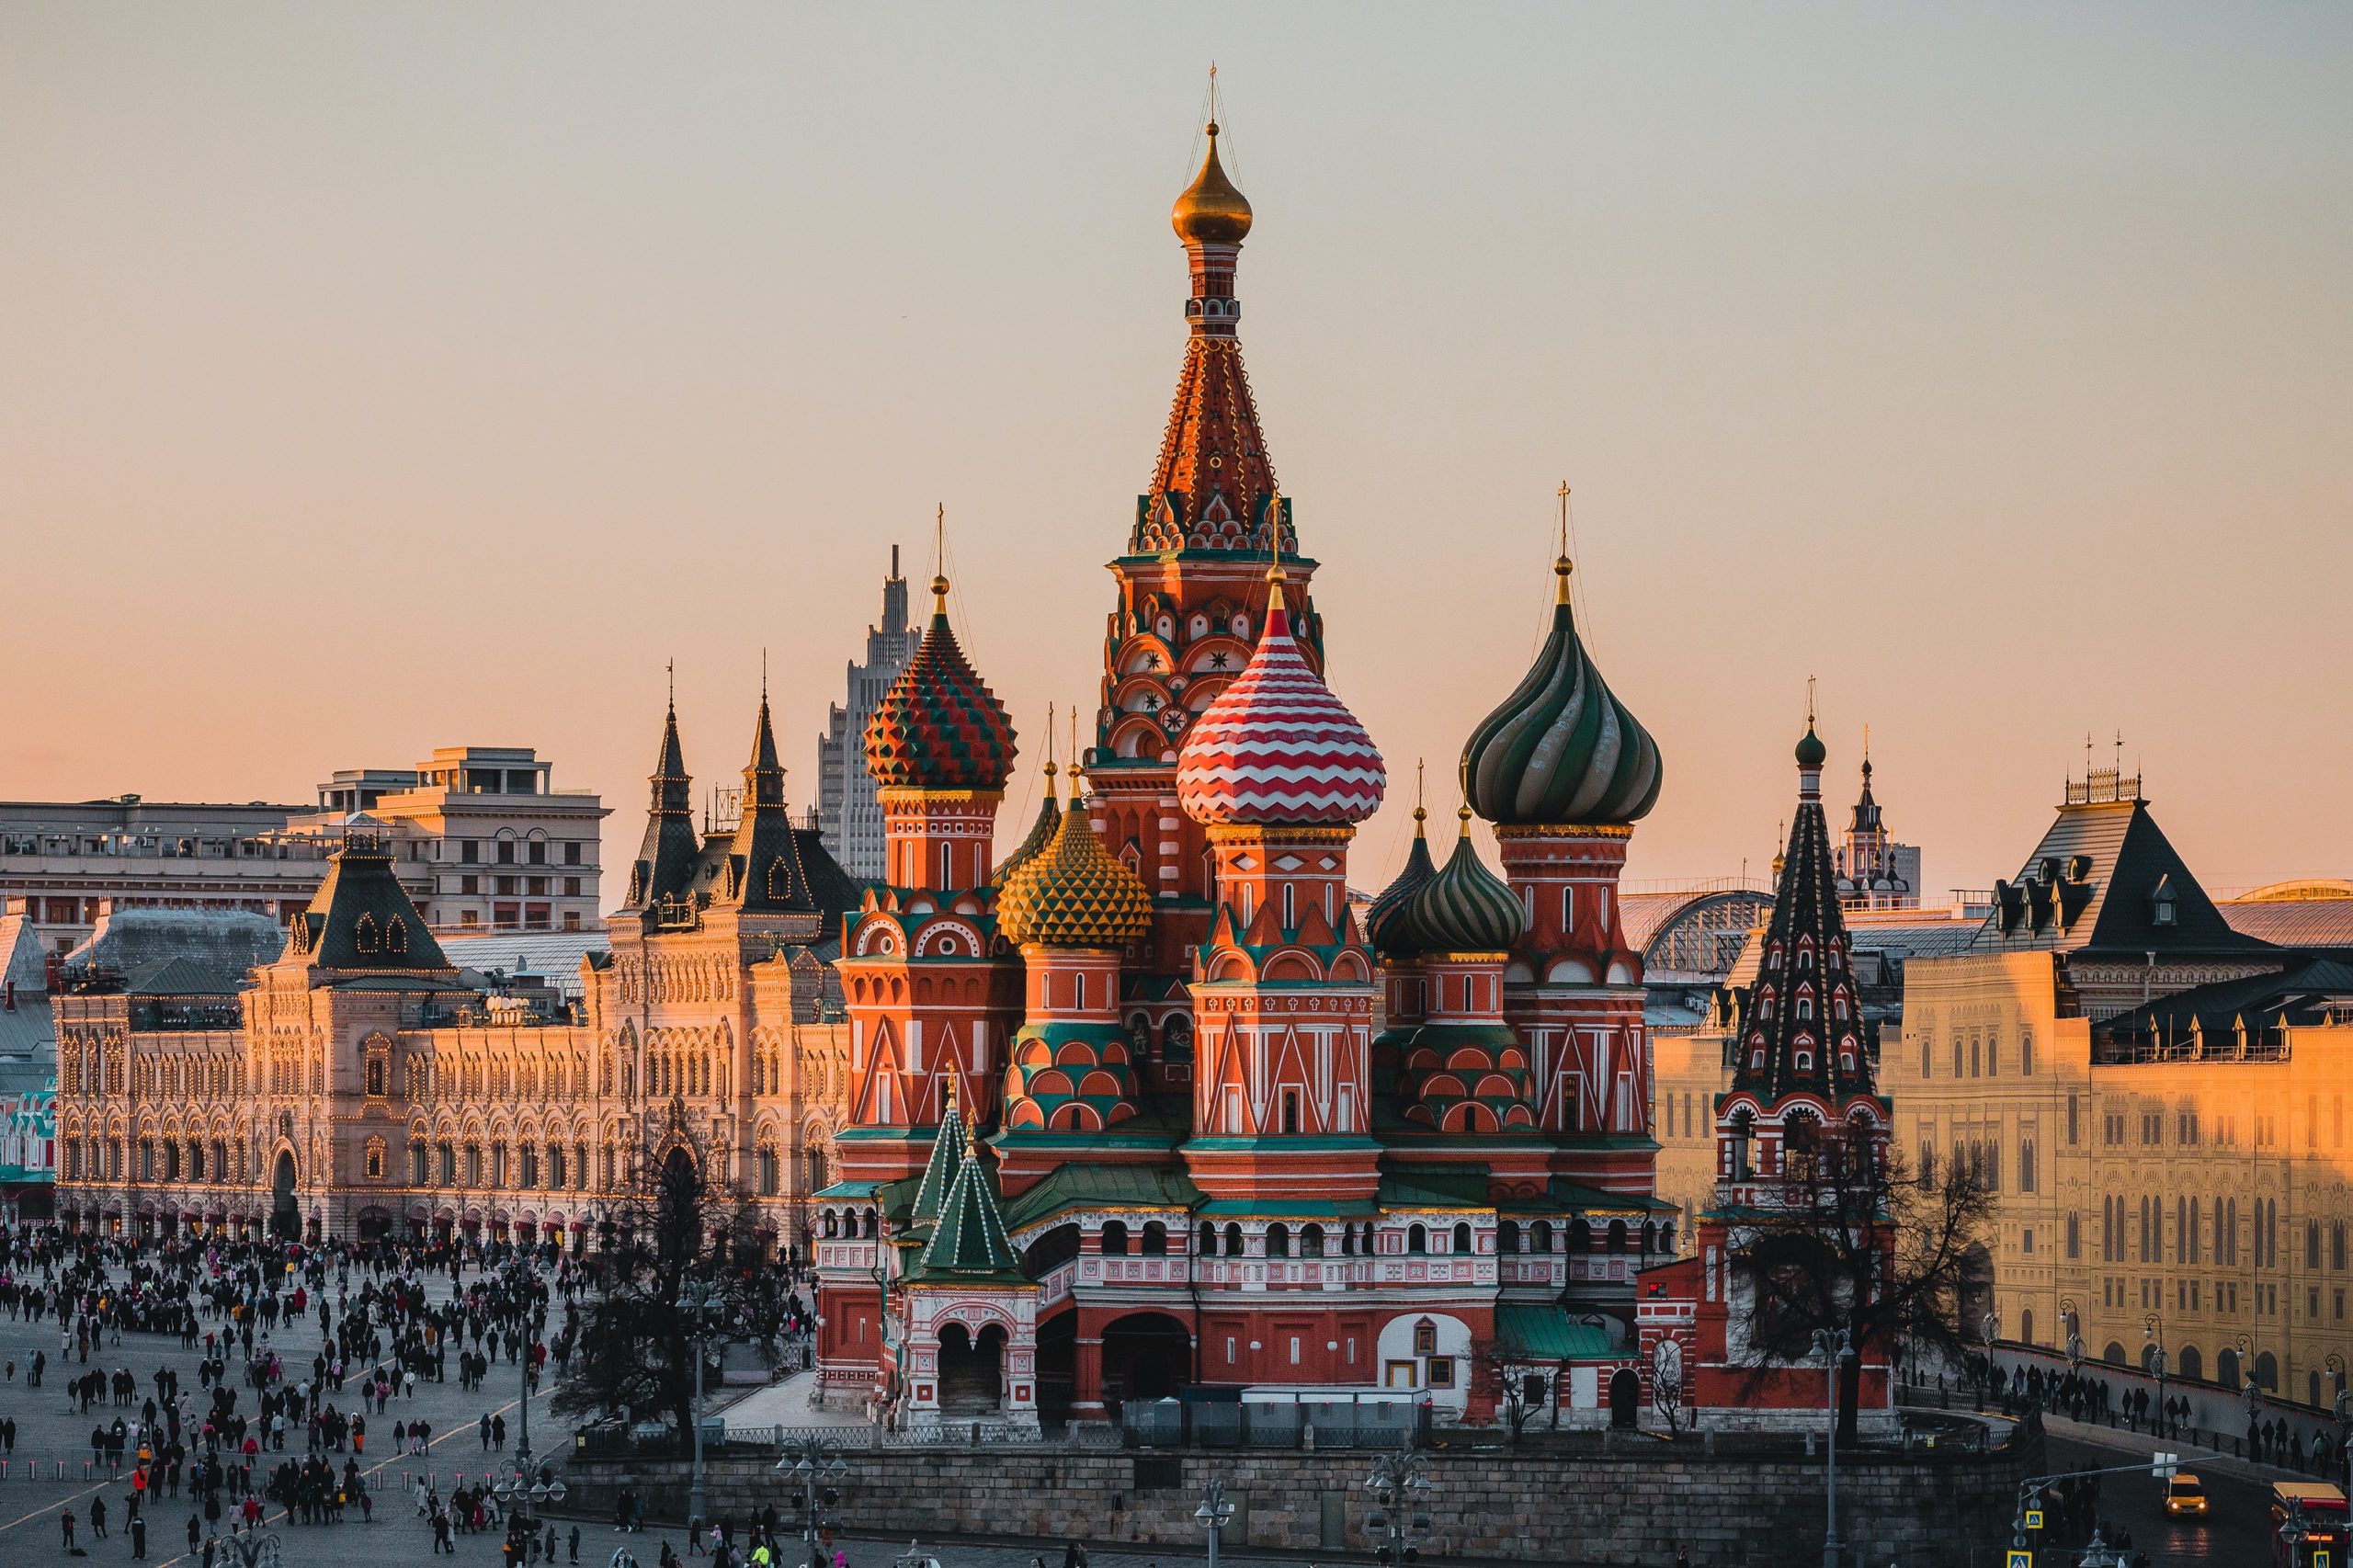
{"x":2236,"y":1531}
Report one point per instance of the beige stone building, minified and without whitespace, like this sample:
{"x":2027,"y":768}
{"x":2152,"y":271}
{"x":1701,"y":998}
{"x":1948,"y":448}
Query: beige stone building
{"x":481,"y":838}
{"x":2159,"y":1099}
{"x":358,"y":1086}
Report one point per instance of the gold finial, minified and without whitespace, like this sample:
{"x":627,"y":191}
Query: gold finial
{"x":1275,"y":581}
{"x":1561,"y":564}
{"x":1212,"y":212}
{"x":1076,"y":772}
{"x":1809,"y":702}
{"x":672,"y":667}
{"x":1420,"y":815}
{"x":1463,"y":812}
{"x":939,"y":560}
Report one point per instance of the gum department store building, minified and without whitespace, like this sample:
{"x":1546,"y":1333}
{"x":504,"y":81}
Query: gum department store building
{"x":1143,"y":1106}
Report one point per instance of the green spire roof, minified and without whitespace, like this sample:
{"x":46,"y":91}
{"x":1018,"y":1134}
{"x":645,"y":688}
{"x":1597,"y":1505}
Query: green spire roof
{"x":969,"y":1240}
{"x":950,"y":1154}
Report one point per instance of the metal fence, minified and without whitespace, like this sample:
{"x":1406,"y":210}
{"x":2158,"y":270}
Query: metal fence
{"x":1319,"y":1423}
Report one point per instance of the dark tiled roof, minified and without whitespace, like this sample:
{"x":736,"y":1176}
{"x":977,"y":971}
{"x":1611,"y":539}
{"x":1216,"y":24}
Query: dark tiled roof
{"x":665,"y":858}
{"x":361,"y":917}
{"x":178,"y":977}
{"x":2300,"y":994}
{"x":2098,"y":882}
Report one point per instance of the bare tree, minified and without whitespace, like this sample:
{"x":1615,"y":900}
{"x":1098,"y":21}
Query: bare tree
{"x":1515,"y":1400}
{"x":1855,"y":1239}
{"x":679,"y":1235}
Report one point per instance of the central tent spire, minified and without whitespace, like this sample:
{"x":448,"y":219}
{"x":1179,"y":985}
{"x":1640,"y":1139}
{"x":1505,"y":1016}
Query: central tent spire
{"x":1213,"y":487}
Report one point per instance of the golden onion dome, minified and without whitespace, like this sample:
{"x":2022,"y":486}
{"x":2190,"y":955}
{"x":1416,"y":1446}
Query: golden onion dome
{"x":1212,"y":212}
{"x":1072,"y":894}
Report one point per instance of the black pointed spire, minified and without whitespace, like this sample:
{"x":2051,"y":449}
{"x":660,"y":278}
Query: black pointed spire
{"x":665,"y":858}
{"x":774,"y":867}
{"x":1800,"y":1022}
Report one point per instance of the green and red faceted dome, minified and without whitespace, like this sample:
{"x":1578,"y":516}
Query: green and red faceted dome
{"x":939,"y":726}
{"x":1277,"y":749}
{"x":1563,"y":751}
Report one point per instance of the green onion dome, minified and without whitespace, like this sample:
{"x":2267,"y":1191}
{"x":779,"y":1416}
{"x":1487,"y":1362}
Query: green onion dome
{"x":1384,"y":927}
{"x":1812,"y":753}
{"x":1465,"y":908}
{"x":939,"y":726}
{"x":1074,"y":894}
{"x":1041,"y":831}
{"x":1562,"y":751}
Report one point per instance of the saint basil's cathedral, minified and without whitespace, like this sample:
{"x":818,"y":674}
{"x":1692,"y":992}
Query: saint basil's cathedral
{"x":1146,"y":1106}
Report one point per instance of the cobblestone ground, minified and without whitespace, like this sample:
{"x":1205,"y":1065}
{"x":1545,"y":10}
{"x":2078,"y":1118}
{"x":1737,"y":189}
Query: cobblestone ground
{"x":34,"y":1492}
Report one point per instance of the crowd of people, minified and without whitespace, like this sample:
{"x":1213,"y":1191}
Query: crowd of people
{"x":300,"y":1346}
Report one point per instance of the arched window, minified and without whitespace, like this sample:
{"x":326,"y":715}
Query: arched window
{"x":1507,"y":1237}
{"x":1541,"y":1235}
{"x":1278,"y":1240}
{"x":1462,"y":1237}
{"x":1233,"y":1241}
{"x":1616,"y":1241}
{"x":1311,"y":1240}
{"x":1115,"y":1239}
{"x":1209,"y":1239}
{"x":1156,"y":1239}
{"x":1418,"y":1239}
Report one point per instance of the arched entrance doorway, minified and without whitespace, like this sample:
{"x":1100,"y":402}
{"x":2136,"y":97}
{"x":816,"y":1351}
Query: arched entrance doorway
{"x":1145,"y":1355}
{"x":374,"y":1224}
{"x":1057,"y":1365}
{"x":285,"y":1218}
{"x":972,"y":1371}
{"x":1625,"y":1398}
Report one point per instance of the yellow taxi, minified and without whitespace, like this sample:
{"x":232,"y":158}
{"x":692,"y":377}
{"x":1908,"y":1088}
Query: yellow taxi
{"x":2185,"y":1495}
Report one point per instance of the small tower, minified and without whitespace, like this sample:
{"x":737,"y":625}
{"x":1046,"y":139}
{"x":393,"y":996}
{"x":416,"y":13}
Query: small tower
{"x":940,"y":746}
{"x":661,"y":881}
{"x":1280,"y":773}
{"x":1564,"y":770}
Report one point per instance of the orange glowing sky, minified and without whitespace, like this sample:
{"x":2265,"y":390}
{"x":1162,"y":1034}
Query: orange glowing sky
{"x":380,"y":378}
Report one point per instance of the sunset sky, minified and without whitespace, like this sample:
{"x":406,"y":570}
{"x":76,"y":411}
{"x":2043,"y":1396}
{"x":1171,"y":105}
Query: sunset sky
{"x":375,"y":378}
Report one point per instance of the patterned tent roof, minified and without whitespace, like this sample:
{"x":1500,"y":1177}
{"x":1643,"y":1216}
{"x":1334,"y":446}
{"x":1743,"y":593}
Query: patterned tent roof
{"x":939,"y":726}
{"x":968,"y":1241}
{"x":1277,"y":747}
{"x":1042,"y":832}
{"x":1562,"y":751}
{"x":1800,"y":1026}
{"x":951,"y":1151}
{"x":1075,"y":894}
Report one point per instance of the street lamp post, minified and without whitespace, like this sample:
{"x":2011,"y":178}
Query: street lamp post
{"x":524,"y":1482}
{"x":1213,"y":1513}
{"x":1400,"y":1511}
{"x":697,"y":1299}
{"x":2153,"y":1328}
{"x":1834,"y":1345}
{"x":816,"y":1464}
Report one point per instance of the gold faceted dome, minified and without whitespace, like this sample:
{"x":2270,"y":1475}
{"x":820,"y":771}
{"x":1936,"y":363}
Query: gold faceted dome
{"x":1072,"y":894}
{"x":1211,"y":211}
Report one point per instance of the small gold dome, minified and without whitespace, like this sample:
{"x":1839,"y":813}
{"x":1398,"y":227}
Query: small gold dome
{"x":1212,"y":212}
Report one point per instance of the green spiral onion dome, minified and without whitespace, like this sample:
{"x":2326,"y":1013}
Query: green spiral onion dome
{"x":1385,"y":925}
{"x":1465,"y":908}
{"x":1562,"y":751}
{"x":1074,"y":894}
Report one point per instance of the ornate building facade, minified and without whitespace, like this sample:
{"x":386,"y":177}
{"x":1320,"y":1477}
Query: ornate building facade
{"x":362,"y":1085}
{"x":1147,"y":1105}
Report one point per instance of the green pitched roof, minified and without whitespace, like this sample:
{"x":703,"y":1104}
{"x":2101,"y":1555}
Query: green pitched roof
{"x":1081,"y":1186}
{"x":1549,"y":1334}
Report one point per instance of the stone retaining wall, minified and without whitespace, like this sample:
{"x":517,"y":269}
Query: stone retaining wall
{"x":1631,"y":1507}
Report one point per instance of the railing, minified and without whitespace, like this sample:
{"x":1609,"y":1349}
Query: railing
{"x":153,"y":1017}
{"x":1337,"y":1424}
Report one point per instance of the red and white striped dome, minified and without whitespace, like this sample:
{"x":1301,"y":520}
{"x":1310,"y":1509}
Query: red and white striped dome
{"x":1276,"y":748}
